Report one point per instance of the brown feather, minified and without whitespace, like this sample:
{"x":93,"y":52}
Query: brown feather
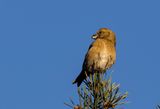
{"x":101,"y":54}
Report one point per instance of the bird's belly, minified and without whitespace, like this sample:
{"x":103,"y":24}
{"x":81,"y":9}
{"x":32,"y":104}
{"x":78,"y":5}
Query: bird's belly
{"x":100,"y":62}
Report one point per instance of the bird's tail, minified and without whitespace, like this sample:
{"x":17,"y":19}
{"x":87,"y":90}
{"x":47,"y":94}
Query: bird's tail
{"x":80,"y":78}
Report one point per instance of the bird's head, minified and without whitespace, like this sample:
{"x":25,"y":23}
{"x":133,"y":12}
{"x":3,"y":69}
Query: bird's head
{"x":106,"y":34}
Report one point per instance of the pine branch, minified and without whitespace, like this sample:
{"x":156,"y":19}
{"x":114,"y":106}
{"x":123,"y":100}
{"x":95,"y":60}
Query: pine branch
{"x":97,"y":92}
{"x":158,"y":107}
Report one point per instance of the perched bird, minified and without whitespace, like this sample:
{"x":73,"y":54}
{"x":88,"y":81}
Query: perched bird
{"x":101,"y":54}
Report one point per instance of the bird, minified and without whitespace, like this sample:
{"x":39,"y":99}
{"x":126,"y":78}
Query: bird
{"x":101,"y":54}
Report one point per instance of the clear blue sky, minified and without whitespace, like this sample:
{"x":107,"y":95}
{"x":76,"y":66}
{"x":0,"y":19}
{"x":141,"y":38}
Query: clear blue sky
{"x":43,"y":43}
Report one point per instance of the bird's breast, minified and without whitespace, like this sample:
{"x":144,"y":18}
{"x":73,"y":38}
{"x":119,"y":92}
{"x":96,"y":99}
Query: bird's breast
{"x":100,"y":58}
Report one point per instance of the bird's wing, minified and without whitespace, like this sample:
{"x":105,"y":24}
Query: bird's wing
{"x":85,"y":59}
{"x":92,"y":52}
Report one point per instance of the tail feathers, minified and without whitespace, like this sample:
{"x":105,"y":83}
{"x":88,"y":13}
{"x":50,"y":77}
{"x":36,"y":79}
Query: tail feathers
{"x":80,"y":78}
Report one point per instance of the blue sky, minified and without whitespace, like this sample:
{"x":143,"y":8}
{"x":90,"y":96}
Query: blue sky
{"x":43,"y":43}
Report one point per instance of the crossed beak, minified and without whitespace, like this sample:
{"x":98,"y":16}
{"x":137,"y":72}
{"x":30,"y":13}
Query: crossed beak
{"x":94,"y":36}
